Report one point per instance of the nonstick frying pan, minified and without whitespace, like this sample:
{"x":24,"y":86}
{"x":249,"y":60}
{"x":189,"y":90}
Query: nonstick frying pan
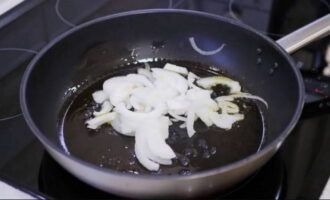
{"x":249,"y":56}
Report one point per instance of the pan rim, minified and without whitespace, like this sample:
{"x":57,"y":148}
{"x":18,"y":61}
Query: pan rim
{"x":222,"y":169}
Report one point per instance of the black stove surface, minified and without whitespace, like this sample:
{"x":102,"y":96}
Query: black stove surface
{"x":299,"y":170}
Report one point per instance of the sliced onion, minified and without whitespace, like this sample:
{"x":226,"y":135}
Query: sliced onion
{"x":137,"y":78}
{"x":203,"y":52}
{"x":156,"y":159}
{"x":100,"y":120}
{"x":141,"y":154}
{"x":183,"y":125}
{"x":191,"y":79}
{"x":204,"y":115}
{"x":241,"y":95}
{"x":157,"y":112}
{"x":250,"y":96}
{"x":225,"y":98}
{"x":178,"y":105}
{"x":225,"y":121}
{"x":172,"y":79}
{"x":209,"y":82}
{"x":190,"y":123}
{"x":147,"y":66}
{"x":175,"y":68}
{"x":106,"y":107}
{"x":177,"y":117}
{"x":121,"y":126}
{"x":99,"y":96}
{"x":228,"y":107}
{"x":136,"y":103}
{"x":159,"y":147}
{"x":145,"y":73}
{"x":118,"y":89}
{"x":174,"y":120}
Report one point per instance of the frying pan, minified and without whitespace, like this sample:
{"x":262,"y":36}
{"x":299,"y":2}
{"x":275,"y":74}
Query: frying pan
{"x":55,"y":70}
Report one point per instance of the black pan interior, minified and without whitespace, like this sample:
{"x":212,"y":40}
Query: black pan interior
{"x":249,"y":58}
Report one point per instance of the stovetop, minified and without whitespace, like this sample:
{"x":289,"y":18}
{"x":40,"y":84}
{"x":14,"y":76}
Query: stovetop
{"x":300,"y":169}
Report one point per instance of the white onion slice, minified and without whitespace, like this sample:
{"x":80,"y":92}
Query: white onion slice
{"x":175,"y":68}
{"x":121,"y":126}
{"x":209,"y":82}
{"x":178,"y":105}
{"x":147,"y":66}
{"x":177,"y":117}
{"x":141,"y":154}
{"x":204,"y":115}
{"x":118,"y":89}
{"x":136,"y":103}
{"x":174,"y":120}
{"x":100,"y":120}
{"x":99,"y":96}
{"x":159,"y":147}
{"x":190,"y":123}
{"x":228,"y":107}
{"x":225,"y":121}
{"x":172,"y":79}
{"x":157,"y":112}
{"x":137,"y":78}
{"x":183,"y":125}
{"x":106,"y":107}
{"x":191,"y":79}
{"x":250,"y":96}
{"x":225,"y":98}
{"x":241,"y":95}
{"x":203,"y":52}
{"x":146,"y":73}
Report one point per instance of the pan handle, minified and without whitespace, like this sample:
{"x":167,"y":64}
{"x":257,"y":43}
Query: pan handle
{"x":300,"y":38}
{"x":303,"y":36}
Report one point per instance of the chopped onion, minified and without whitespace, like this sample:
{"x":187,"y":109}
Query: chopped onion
{"x":175,"y":68}
{"x":106,"y":107}
{"x":203,"y":52}
{"x":99,"y":96}
{"x":100,"y":120}
{"x":209,"y":82}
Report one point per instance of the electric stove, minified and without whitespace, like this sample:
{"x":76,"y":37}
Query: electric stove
{"x":299,"y":170}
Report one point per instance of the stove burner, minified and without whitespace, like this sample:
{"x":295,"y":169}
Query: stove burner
{"x":58,"y":183}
